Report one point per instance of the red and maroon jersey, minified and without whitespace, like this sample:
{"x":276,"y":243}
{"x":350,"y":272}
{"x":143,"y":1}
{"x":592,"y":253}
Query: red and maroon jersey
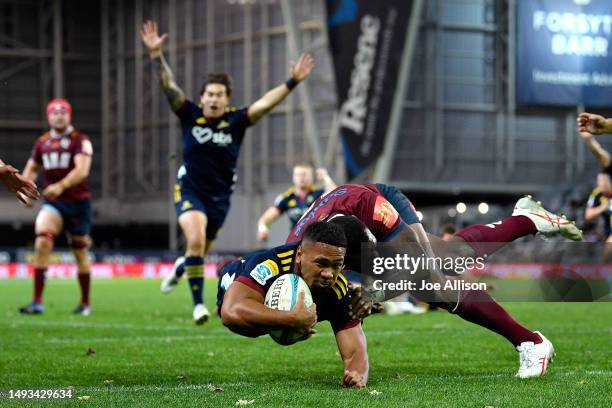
{"x":362,"y":201}
{"x":55,"y":154}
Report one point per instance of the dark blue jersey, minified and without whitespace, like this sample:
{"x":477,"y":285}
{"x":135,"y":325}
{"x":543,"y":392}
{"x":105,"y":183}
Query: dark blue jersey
{"x":210,"y":150}
{"x":260,"y":269}
{"x":295,"y":206}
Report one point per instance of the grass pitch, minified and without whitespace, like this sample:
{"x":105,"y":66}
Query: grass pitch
{"x":148,"y":353}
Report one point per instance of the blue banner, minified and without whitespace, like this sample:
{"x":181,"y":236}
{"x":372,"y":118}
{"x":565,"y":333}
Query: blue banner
{"x":564,"y":52}
{"x":366,"y":40}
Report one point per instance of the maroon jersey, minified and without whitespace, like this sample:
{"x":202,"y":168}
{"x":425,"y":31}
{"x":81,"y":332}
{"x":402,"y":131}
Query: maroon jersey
{"x":362,"y":201}
{"x":55,"y":154}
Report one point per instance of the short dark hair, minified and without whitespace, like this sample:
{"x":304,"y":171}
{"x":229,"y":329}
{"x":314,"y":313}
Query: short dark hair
{"x":356,"y":234}
{"x":326,"y":233}
{"x":218,"y":78}
{"x":448,"y":229}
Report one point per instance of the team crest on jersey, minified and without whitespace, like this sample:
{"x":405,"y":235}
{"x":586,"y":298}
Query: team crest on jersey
{"x":384,"y":212}
{"x":292,"y":203}
{"x":206,"y":134}
{"x":65,"y":143}
{"x":186,"y":205}
{"x":264,"y":271}
{"x":223,"y":124}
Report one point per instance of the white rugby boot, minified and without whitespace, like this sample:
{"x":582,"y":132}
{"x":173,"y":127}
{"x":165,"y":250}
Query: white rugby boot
{"x":200,"y":314}
{"x":170,"y":281}
{"x":534,"y":358}
{"x":546,"y":222}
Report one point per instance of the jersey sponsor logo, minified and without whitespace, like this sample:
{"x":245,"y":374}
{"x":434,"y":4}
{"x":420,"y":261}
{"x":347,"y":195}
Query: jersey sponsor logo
{"x":206,"y":134}
{"x":384,"y":212}
{"x":227,"y":280}
{"x":55,"y":160}
{"x":264,"y":271}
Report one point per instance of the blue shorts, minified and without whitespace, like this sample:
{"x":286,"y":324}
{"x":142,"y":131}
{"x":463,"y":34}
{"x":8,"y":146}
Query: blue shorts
{"x":400,"y":202}
{"x":186,"y":198}
{"x":76,"y":215}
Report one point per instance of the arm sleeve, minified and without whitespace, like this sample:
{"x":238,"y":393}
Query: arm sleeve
{"x":82,"y":145}
{"x":593,"y":200}
{"x":36,"y":155}
{"x":187,"y":111}
{"x":280,"y":202}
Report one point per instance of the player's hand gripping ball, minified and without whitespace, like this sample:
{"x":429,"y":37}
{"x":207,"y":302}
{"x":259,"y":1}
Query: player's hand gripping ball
{"x":284,"y":294}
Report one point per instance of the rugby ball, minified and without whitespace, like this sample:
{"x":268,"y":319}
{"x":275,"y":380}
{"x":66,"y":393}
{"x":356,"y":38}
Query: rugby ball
{"x":283,"y":295}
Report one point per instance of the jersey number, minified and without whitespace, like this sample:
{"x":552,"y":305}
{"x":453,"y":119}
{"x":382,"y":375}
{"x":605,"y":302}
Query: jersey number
{"x":54,"y":160}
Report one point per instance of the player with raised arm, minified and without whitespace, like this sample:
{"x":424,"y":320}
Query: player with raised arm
{"x":318,"y":258}
{"x":295,"y":201}
{"x":24,"y":189}
{"x":594,"y":124}
{"x":212,"y":135}
{"x":387,"y":214}
{"x":64,"y":156}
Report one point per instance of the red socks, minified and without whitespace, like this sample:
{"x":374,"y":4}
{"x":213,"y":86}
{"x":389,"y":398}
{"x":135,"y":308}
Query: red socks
{"x":488,"y":238}
{"x":480,"y":308}
{"x":39,"y":284}
{"x":85,"y":284}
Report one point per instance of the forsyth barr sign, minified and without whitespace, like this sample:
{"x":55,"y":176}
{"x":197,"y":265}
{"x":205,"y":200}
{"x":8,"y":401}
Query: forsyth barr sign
{"x":564,"y":54}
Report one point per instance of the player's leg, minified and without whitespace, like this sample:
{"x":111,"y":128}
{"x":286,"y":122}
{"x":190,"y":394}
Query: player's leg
{"x":79,"y":244}
{"x":48,"y":225}
{"x":78,"y":228}
{"x":193,"y":224}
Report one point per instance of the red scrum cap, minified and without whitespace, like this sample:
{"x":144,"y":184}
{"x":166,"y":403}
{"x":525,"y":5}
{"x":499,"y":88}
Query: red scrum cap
{"x":59,"y":104}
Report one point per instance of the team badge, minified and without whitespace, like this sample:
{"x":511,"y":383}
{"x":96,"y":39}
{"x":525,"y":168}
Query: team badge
{"x":65,"y":143}
{"x":264,"y":271}
{"x":223,"y":124}
{"x":186,"y":205}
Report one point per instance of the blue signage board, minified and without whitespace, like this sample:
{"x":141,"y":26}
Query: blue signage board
{"x":564,"y":52}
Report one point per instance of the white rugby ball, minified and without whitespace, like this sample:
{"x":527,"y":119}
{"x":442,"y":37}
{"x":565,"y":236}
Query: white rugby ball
{"x":283,"y":295}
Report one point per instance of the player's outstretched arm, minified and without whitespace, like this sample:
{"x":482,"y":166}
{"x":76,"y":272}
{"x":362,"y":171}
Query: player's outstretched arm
{"x":24,"y":189}
{"x":243,"y":312}
{"x":263,"y":224}
{"x":592,"y":213}
{"x":325,"y":179}
{"x":601,"y":154}
{"x":353,"y":349}
{"x":154,"y":43}
{"x":299,"y":72}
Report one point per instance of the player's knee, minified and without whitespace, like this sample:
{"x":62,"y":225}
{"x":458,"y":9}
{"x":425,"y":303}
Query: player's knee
{"x":195,"y":242}
{"x":44,"y":242}
{"x":80,"y":244}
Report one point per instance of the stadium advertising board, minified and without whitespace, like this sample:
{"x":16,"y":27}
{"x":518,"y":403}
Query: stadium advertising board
{"x":564,"y":53}
{"x":366,"y":40}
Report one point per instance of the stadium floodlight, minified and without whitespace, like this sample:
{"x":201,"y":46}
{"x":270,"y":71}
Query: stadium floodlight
{"x":483,"y":208}
{"x":461,"y":207}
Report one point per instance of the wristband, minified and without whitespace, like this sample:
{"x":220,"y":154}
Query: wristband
{"x":291,"y":83}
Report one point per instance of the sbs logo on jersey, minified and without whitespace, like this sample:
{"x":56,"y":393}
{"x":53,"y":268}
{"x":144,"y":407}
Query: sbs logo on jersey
{"x":205,"y":134}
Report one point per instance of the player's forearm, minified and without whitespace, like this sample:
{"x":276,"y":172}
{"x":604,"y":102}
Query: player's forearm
{"x":601,"y":154}
{"x":268,"y":217}
{"x":592,"y":213}
{"x":251,"y":318}
{"x":76,"y":176}
{"x":268,"y":102}
{"x":173,"y":92}
{"x":31,"y":171}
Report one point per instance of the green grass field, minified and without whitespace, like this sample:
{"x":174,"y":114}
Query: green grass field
{"x":148,"y":353}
